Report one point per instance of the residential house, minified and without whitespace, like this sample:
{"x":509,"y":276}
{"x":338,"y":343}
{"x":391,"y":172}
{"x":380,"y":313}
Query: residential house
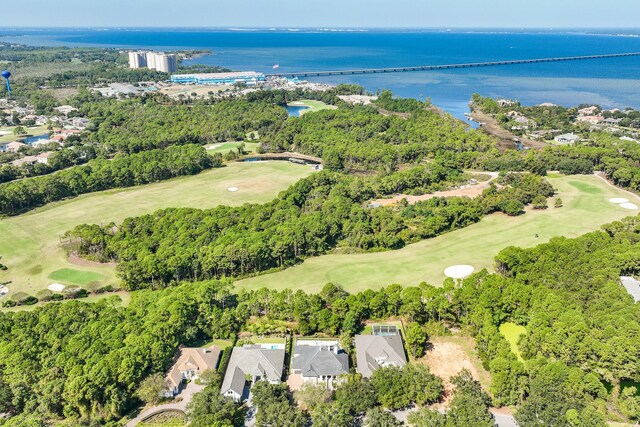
{"x":44,"y":157}
{"x":252,"y":363}
{"x":27,"y":160}
{"x":612,"y":121}
{"x":65,"y":109}
{"x":378,"y":351}
{"x":594,"y":120}
{"x":80,"y":122}
{"x":319,"y":361}
{"x":59,"y":138}
{"x":588,"y":111}
{"x":191,"y":362}
{"x":14,"y":146}
{"x":42,"y":120}
{"x":505,"y":102}
{"x":567,"y":138}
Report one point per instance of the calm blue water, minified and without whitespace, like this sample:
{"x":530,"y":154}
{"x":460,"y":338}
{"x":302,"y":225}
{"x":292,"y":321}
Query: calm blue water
{"x":36,"y":138}
{"x":610,"y":82}
{"x":295,"y":110}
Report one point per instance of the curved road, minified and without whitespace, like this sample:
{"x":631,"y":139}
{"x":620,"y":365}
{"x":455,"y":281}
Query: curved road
{"x":186,"y":395}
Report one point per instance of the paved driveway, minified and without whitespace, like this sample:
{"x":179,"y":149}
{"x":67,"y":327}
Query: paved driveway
{"x":504,"y":419}
{"x":186,"y":395}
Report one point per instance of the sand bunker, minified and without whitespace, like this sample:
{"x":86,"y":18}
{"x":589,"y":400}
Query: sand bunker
{"x":458,"y":271}
{"x":56,"y":287}
{"x":233,"y":189}
{"x":630,"y":206}
{"x":618,"y":200}
{"x":3,"y":290}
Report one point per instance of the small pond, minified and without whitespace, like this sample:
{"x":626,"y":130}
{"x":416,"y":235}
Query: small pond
{"x":295,"y":110}
{"x":36,"y":138}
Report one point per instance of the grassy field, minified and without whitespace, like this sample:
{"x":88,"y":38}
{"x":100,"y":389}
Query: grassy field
{"x":512,"y":333}
{"x":76,"y":277}
{"x":312,"y":105}
{"x":32,"y":130}
{"x":586,"y":207}
{"x":225,"y":147}
{"x":30,"y":243}
{"x":125,"y":298}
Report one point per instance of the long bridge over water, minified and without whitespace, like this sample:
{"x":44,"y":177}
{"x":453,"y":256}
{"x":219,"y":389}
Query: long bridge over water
{"x":447,"y":66}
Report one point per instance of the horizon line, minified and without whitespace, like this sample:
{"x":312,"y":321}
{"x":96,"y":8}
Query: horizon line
{"x":317,"y":27}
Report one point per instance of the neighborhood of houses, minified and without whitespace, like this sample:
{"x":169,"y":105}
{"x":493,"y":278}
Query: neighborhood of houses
{"x":596,"y":119}
{"x":60,"y":126}
{"x":312,"y":361}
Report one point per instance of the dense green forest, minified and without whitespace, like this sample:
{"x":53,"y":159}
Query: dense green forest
{"x":148,"y":123}
{"x":310,"y":218}
{"x":361,"y":138}
{"x":85,"y":361}
{"x":102,"y":174}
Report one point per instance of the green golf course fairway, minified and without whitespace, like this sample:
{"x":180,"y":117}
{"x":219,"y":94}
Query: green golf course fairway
{"x":586,"y":208}
{"x":312,"y":105}
{"x":77,"y":277}
{"x":29,"y":243}
{"x":512,"y":333}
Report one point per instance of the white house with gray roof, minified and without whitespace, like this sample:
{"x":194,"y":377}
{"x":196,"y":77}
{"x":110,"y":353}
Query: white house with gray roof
{"x":319,"y":361}
{"x":252,"y":363}
{"x":378,"y":351}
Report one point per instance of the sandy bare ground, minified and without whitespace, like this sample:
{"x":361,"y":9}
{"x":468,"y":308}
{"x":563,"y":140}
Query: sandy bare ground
{"x":446,"y":359}
{"x":76,"y":260}
{"x":464,"y":191}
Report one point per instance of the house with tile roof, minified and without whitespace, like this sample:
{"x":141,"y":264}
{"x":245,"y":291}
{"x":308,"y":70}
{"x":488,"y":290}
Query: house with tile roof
{"x":191,"y":362}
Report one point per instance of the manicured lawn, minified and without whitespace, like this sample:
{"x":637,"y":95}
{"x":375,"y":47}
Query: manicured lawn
{"x":312,"y":105}
{"x":512,"y":333}
{"x":76,"y":277}
{"x":586,"y":208}
{"x":125,"y":298}
{"x":225,"y":147}
{"x":30,"y":243}
{"x":31,"y":130}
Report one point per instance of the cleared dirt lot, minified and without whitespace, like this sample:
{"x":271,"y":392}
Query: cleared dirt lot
{"x":450,"y":355}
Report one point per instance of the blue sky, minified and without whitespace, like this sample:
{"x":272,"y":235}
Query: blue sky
{"x":324,"y":13}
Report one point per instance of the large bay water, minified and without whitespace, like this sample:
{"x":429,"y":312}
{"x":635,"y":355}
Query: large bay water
{"x":613,"y":82}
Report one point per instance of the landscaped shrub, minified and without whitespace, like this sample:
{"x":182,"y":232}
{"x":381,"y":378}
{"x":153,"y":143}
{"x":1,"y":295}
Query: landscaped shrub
{"x":44,"y":295}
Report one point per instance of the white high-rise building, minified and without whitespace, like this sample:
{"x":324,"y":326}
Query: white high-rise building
{"x":166,"y":63}
{"x":137,"y":59}
{"x":151,"y":60}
